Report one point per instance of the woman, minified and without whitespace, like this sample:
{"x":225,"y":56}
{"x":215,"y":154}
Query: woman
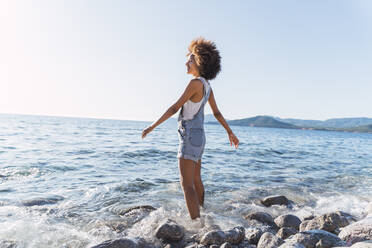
{"x":204,"y":64}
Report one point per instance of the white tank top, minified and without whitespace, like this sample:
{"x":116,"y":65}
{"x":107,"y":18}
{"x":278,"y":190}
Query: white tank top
{"x":191,"y":108}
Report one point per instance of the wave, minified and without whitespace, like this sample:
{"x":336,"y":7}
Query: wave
{"x":137,"y":185}
{"x":145,"y":153}
{"x":80,"y":152}
{"x":42,"y":201}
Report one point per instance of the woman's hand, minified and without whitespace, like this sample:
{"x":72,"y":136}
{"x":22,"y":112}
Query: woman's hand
{"x":146,"y":131}
{"x":233,"y":140}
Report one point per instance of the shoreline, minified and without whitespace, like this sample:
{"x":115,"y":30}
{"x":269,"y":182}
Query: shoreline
{"x":332,"y":229}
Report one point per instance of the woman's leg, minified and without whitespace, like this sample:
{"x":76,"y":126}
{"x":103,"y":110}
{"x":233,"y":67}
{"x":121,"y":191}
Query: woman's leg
{"x":187,"y":170}
{"x":199,"y":187}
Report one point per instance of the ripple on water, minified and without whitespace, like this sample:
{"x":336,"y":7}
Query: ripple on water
{"x":9,"y":147}
{"x":262,"y":161}
{"x":80,"y":152}
{"x":148,"y":154}
{"x":7,"y":190}
{"x":101,"y":133}
{"x":162,"y":180}
{"x":12,"y":173}
{"x":274,"y":151}
{"x":62,"y":168}
{"x":42,"y":200}
{"x":138,"y":185}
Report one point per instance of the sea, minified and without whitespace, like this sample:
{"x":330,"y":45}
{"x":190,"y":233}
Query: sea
{"x":65,"y":182}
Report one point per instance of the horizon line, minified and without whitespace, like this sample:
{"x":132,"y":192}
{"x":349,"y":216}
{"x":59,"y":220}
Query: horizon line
{"x":115,"y":119}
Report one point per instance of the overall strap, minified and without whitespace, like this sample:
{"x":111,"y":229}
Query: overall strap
{"x":206,"y":90}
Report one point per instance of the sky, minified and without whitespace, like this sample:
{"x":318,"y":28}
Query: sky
{"x":126,"y":59}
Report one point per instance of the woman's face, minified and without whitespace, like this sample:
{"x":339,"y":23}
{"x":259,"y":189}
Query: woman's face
{"x":191,"y":66}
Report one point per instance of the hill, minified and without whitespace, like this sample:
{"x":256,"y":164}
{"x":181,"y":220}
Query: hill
{"x":364,"y":129}
{"x":330,"y":123}
{"x":262,"y":121}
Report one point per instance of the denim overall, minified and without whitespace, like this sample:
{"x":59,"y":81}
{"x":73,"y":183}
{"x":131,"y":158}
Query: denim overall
{"x":191,"y":132}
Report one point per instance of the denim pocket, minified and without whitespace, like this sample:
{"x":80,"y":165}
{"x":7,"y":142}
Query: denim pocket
{"x":196,"y":136}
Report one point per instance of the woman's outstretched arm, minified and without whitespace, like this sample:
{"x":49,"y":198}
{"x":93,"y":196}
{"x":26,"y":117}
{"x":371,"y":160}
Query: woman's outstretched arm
{"x":217,"y":114}
{"x":187,"y":94}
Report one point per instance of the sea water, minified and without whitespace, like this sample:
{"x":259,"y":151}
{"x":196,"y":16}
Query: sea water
{"x":64,"y":181}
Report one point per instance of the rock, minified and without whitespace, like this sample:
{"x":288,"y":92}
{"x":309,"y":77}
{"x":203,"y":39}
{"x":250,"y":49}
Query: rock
{"x":217,"y":237}
{"x":288,"y":220}
{"x":189,"y":239}
{"x":233,"y":236}
{"x":269,"y":240}
{"x":197,"y":237}
{"x":311,"y":238}
{"x":226,"y":245}
{"x":285,"y":232}
{"x":303,"y":225}
{"x":363,"y":244}
{"x":170,"y":231}
{"x":253,"y":235}
{"x":261,"y":217}
{"x":117,"y":243}
{"x":175,"y":244}
{"x":202,"y":246}
{"x":143,"y":208}
{"x":236,"y":235}
{"x":185,"y":242}
{"x":130,"y":216}
{"x":357,"y":231}
{"x":245,"y":244}
{"x":192,"y":245}
{"x":8,"y":244}
{"x":330,"y":222}
{"x":275,"y":200}
{"x":310,"y":217}
{"x":291,"y":245}
{"x":142,"y":243}
{"x":324,"y":243}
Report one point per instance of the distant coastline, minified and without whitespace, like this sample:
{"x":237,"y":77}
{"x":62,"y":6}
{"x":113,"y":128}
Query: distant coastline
{"x":361,"y":125}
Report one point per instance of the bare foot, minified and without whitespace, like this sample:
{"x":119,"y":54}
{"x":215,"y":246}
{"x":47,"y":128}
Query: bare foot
{"x":198,"y":223}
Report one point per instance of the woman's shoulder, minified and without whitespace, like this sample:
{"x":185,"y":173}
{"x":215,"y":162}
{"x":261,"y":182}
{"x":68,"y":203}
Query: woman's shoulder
{"x":204,"y":81}
{"x":196,"y":82}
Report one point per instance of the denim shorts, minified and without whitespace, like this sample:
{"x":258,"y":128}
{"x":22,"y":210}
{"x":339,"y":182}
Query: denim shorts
{"x":192,"y":142}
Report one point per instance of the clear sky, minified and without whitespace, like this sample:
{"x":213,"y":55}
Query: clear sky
{"x":126,"y":59}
